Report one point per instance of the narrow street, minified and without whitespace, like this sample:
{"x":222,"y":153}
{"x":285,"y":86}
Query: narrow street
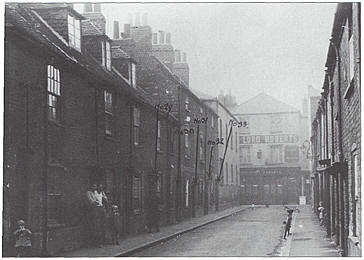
{"x":248,"y":233}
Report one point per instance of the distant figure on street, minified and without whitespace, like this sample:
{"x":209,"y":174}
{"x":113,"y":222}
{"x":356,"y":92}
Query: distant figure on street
{"x":288,"y":223}
{"x":253,"y":206}
{"x":321,"y":210}
{"x":153,"y":213}
{"x":22,"y":239}
{"x":114,"y":224}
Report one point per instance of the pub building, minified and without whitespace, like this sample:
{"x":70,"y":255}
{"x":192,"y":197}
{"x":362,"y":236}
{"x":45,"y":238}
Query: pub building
{"x":273,"y":152}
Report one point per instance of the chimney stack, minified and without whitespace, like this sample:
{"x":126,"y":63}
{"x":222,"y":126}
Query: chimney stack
{"x":127,"y":30}
{"x":177,"y":56}
{"x":181,"y":68}
{"x":130,"y":18}
{"x":137,"y":19}
{"x":168,"y":38}
{"x":145,"y":19}
{"x":116,"y":30}
{"x":161,"y":37}
{"x":184,"y":57}
{"x":97,"y":8}
{"x":87,"y":8}
{"x":95,"y":15}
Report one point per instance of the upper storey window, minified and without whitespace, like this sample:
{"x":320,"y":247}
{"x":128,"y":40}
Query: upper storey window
{"x":106,"y":54}
{"x":74,"y":32}
{"x":133,"y":75}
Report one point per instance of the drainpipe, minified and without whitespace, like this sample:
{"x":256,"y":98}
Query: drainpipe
{"x":45,"y":171}
{"x":338,"y":99}
{"x":341,"y":177}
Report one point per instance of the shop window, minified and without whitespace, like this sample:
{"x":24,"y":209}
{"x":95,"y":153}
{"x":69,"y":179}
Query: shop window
{"x":255,"y":189}
{"x":279,"y":189}
{"x":266,"y":189}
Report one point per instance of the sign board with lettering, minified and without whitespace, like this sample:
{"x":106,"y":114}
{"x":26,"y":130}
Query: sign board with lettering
{"x":268,"y":139}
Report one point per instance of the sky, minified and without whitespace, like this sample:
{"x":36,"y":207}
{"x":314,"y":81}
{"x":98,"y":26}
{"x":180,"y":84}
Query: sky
{"x":243,"y":48}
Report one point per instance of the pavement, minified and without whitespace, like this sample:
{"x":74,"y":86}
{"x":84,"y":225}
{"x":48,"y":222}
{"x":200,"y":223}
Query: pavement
{"x":308,"y":237}
{"x":132,"y":244}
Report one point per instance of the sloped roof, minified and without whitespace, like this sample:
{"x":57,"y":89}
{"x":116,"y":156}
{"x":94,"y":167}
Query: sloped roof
{"x":263,"y":103}
{"x":90,"y":29}
{"x":118,"y":53}
{"x":25,"y":20}
{"x":201,"y":94}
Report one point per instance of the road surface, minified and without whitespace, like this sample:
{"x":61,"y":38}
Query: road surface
{"x":248,"y":233}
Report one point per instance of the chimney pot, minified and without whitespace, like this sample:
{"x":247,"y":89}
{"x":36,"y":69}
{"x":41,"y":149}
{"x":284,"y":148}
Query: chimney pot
{"x":87,"y":8}
{"x":137,"y":19}
{"x":184,"y":57}
{"x":161,"y":37}
{"x":178,"y":55}
{"x":168,"y":38}
{"x":130,"y":18}
{"x":97,"y":8}
{"x":155,"y":38}
{"x":116,"y":30}
{"x":127,"y":30}
{"x":145,"y":19}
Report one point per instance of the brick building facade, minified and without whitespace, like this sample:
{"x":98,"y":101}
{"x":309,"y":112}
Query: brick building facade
{"x":72,"y":120}
{"x":273,"y":158}
{"x":81,"y":108}
{"x":336,"y":134}
{"x":156,"y":59}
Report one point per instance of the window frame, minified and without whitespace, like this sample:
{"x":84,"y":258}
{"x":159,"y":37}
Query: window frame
{"x":136,"y":125}
{"x":74,"y":37}
{"x":108,"y":55}
{"x":54,"y":94}
{"x":133,"y":74}
{"x":248,"y":154}
{"x":137,"y":194}
{"x":108,"y":113}
{"x":187,"y":103}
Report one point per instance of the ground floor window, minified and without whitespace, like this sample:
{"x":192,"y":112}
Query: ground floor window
{"x":137,"y":194}
{"x":55,"y":208}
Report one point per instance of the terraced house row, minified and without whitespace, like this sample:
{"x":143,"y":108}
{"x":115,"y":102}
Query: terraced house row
{"x":336,"y":134}
{"x":82,"y":108}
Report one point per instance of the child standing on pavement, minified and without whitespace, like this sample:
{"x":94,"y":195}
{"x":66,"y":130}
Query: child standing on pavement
{"x":321,"y":210}
{"x":115,"y":224}
{"x":288,"y":223}
{"x":22,"y":239}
